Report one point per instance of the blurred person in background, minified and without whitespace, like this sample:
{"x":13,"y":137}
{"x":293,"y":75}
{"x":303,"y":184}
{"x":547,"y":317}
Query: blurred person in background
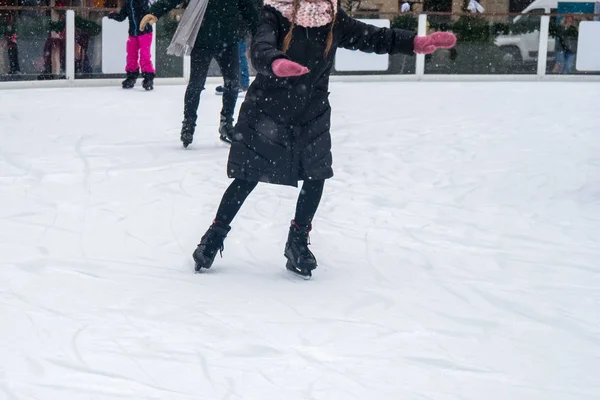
{"x":138,"y":44}
{"x":244,"y":66}
{"x":244,"y":70}
{"x":56,"y":44}
{"x":9,"y":32}
{"x":218,"y":36}
{"x":566,"y":45}
{"x":405,"y":7}
{"x":474,"y":7}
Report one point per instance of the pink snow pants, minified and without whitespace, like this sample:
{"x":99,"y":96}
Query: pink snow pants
{"x":139,"y":44}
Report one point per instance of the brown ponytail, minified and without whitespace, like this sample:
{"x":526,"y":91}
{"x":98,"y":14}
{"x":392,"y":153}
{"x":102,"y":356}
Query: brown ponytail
{"x":288,"y":38}
{"x":330,"y":35}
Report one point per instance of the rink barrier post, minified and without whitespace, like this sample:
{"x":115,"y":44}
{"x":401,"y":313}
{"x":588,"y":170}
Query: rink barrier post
{"x":70,"y":46}
{"x":187,"y":68}
{"x":420,"y":58}
{"x":421,"y":31}
{"x":543,"y":49}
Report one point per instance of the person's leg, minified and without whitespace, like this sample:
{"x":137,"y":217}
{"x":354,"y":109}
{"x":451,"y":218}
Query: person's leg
{"x":300,"y":259}
{"x":244,"y":73}
{"x":48,"y":56}
{"x":212,"y":241}
{"x":13,"y":54}
{"x":132,"y":65}
{"x":132,"y":58}
{"x":145,"y":44}
{"x":232,"y":200}
{"x":200,"y":60}
{"x":569,"y":63}
{"x":560,"y":62}
{"x":229,"y":62}
{"x":308,"y":202}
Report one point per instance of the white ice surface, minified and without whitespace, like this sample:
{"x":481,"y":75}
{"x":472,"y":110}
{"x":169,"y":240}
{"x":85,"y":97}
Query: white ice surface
{"x":459,"y":250}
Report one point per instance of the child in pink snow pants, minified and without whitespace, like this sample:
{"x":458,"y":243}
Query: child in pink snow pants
{"x":138,"y":45}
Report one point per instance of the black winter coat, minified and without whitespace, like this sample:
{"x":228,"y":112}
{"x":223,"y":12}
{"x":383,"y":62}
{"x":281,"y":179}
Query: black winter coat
{"x":282,"y":134}
{"x":134,"y":10}
{"x":221,"y":23}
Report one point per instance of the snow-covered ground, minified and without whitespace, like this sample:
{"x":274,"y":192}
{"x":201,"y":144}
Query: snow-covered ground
{"x":459,"y":250}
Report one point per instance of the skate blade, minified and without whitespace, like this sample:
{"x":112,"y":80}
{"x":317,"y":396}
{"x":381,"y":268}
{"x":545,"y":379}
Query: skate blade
{"x":198,"y":269}
{"x":299,"y":275}
{"x":306,"y":275}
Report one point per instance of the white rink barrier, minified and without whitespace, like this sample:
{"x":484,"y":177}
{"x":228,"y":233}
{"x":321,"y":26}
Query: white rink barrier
{"x":419,"y":74}
{"x":334,"y":78}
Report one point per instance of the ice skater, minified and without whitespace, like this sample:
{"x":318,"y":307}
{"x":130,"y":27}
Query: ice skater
{"x":212,"y":28}
{"x":138,"y":44}
{"x":282,"y":134}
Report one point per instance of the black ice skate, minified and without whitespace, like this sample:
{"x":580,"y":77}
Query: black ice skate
{"x":187,"y":131}
{"x":148,"y":82}
{"x":129,"y":82}
{"x":300,"y":260}
{"x":210,"y":245}
{"x":226,"y":130}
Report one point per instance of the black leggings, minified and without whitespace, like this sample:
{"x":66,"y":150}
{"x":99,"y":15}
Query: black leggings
{"x":228,"y":58}
{"x":238,"y":191}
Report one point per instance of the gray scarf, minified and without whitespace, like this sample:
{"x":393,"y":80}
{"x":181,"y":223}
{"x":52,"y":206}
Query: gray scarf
{"x":187,"y":30}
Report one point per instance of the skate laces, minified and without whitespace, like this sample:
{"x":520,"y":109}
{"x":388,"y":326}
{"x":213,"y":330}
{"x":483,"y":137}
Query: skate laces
{"x":303,"y":234}
{"x":215,"y":240}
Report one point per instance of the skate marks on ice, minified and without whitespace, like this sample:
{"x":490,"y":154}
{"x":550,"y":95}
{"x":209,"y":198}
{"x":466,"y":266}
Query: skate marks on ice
{"x":457,"y":252}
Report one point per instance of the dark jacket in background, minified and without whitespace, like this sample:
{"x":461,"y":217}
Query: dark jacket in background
{"x":134,"y":10}
{"x":567,"y":39}
{"x":221,"y":23}
{"x":282,"y":134}
{"x":246,"y":30}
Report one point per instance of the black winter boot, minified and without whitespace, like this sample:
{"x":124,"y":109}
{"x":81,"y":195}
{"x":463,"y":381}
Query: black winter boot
{"x":226,"y":129}
{"x":211,"y":243}
{"x":148,"y":82}
{"x":301,"y":260}
{"x":129,"y":82}
{"x":187,"y":131}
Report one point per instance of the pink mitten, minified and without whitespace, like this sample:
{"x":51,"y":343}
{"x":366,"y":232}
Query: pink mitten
{"x":428,"y":44}
{"x":284,"y":68}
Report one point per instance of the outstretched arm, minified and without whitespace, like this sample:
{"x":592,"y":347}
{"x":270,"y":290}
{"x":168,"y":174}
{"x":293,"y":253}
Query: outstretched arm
{"x":371,"y":39}
{"x":356,"y":35}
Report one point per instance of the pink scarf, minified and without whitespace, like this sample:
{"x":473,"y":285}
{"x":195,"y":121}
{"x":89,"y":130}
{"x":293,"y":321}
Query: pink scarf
{"x":310,"y":14}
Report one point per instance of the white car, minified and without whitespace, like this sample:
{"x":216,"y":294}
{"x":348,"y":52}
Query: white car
{"x":523,"y":48}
